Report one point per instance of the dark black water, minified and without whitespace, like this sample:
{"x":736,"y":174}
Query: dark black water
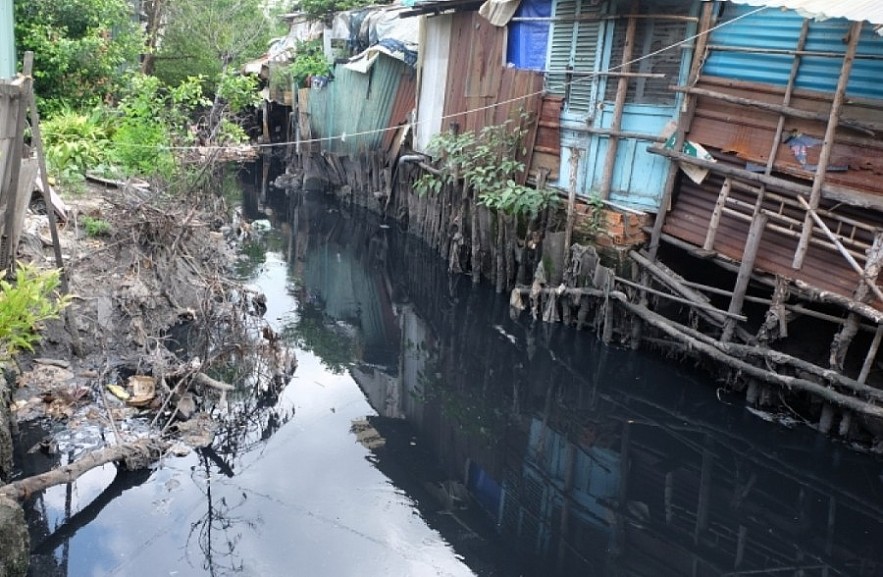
{"x":510,"y":448}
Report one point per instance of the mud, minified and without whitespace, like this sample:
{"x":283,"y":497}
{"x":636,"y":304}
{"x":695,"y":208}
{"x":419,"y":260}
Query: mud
{"x":156,"y":330}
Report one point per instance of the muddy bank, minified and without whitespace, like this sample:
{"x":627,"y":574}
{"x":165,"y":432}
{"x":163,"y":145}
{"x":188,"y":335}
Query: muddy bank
{"x":153,"y":349}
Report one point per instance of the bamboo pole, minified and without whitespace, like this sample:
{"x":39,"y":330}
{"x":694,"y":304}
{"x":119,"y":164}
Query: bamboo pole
{"x":827,"y":144}
{"x":872,"y":355}
{"x":819,"y":53}
{"x":842,"y":249}
{"x":663,"y":275}
{"x":867,"y":127}
{"x":843,"y":339}
{"x":732,"y":350}
{"x":714,"y":223}
{"x":571,"y":204}
{"x":752,"y":245}
{"x":683,"y":126}
{"x":622,"y":88}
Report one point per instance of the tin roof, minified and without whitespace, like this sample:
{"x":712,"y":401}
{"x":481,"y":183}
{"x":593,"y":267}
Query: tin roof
{"x":857,"y":10}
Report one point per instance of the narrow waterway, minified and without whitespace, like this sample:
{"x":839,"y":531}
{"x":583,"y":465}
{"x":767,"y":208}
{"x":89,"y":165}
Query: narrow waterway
{"x":426,"y":432}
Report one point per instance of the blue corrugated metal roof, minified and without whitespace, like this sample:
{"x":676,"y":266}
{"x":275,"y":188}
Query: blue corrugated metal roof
{"x":857,"y":10}
{"x":775,"y":29}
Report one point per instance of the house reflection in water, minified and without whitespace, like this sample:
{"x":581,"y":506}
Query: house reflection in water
{"x":578,"y":458}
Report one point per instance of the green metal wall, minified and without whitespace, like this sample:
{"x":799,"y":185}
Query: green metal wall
{"x":350,"y":113}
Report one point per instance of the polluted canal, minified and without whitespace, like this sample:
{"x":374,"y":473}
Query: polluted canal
{"x":426,"y":432}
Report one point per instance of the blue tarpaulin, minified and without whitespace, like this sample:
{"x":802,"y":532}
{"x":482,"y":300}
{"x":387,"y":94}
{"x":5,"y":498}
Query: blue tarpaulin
{"x":527,"y":40}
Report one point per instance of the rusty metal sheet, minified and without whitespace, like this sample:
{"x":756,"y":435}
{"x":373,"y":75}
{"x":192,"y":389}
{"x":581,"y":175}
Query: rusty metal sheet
{"x":824,"y":268}
{"x":405,"y":102}
{"x":749,"y":132}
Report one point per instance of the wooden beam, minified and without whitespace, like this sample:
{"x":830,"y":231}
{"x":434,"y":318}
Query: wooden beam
{"x":867,"y":127}
{"x":686,"y":119}
{"x":807,"y":291}
{"x":752,"y":244}
{"x":622,"y":88}
{"x":871,"y":356}
{"x":827,"y":144}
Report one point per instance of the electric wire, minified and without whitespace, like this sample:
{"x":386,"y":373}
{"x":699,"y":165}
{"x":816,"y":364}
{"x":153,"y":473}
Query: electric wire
{"x":343,"y":136}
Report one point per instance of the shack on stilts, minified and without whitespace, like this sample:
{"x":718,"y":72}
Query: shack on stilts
{"x":718,"y":165}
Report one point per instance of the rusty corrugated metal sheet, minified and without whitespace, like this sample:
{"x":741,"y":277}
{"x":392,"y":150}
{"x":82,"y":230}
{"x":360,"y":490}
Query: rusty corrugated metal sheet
{"x":481,"y":91}
{"x":404,"y":104}
{"x":749,"y":132}
{"x":823,"y":268}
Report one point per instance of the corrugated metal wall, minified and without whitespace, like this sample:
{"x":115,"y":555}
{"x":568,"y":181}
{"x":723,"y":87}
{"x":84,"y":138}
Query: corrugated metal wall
{"x":352,"y":111}
{"x":779,"y":30}
{"x":481,"y":90}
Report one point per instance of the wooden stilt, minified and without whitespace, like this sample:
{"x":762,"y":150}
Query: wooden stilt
{"x":622,"y":88}
{"x":571,"y":204}
{"x":752,"y":245}
{"x":872,"y":355}
{"x":828,"y":143}
{"x":873,"y":265}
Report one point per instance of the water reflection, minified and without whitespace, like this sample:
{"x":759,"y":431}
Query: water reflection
{"x":585,"y":460}
{"x":517,"y":448}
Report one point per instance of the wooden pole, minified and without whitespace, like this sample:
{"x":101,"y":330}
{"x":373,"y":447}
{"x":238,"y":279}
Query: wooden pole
{"x":752,"y":245}
{"x":827,"y":144}
{"x":17,"y":152}
{"x":571,"y":204}
{"x":842,"y":249}
{"x":782,"y":109}
{"x":37,"y":138}
{"x":714,"y":223}
{"x":850,"y":328}
{"x":622,"y":88}
{"x":683,"y":126}
{"x":872,"y":355}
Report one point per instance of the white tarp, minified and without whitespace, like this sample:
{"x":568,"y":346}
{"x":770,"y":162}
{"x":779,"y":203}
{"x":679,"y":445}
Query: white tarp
{"x":856,"y":10}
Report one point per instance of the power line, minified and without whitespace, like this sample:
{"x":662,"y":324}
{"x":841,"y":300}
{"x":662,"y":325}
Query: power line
{"x":584,"y":78}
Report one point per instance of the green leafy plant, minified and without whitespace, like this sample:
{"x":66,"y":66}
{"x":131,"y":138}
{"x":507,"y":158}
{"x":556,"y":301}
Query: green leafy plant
{"x":487,"y":162}
{"x":596,"y":222}
{"x":96,"y":226}
{"x":309,"y":61}
{"x":25,"y":305}
{"x":80,"y":48}
{"x":74,"y":142}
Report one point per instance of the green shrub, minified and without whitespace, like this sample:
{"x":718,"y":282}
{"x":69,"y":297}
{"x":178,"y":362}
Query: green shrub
{"x":309,"y":61}
{"x":96,"y":226}
{"x":74,"y":142}
{"x":25,"y":305}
